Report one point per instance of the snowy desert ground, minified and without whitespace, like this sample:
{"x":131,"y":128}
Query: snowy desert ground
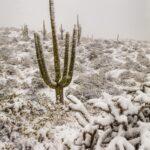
{"x":29,"y":117}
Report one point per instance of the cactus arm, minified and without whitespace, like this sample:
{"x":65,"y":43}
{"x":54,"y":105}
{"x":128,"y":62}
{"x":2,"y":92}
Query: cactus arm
{"x":44,"y":31}
{"x":78,"y":24}
{"x":61,"y":31}
{"x":55,"y":44}
{"x":41,"y":62}
{"x":79,"y":28}
{"x":66,"y":55}
{"x":72,"y":59}
{"x":61,"y":28}
{"x":66,"y":59}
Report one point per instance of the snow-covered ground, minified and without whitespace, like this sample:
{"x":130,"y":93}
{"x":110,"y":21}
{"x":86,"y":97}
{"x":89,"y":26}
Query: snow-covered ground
{"x":29,"y":119}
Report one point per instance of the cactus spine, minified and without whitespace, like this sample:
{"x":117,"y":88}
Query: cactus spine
{"x":62,"y":80}
{"x":61,"y":32}
{"x":44,"y":31}
{"x":25,"y":33}
{"x":79,"y":30}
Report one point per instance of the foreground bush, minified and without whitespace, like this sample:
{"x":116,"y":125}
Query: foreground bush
{"x":123,"y":123}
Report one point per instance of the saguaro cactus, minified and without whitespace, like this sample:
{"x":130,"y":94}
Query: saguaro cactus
{"x":25,"y":32}
{"x":61,"y":79}
{"x":61,"y":32}
{"x":44,"y":31}
{"x":79,"y":29}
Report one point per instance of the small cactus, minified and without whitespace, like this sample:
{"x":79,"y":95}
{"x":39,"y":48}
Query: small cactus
{"x":61,"y":32}
{"x":79,"y":30}
{"x":25,"y":33}
{"x":44,"y":31}
{"x":62,"y":80}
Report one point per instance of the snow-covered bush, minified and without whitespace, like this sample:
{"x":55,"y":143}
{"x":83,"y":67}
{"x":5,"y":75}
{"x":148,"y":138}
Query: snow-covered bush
{"x":28,"y":125}
{"x":10,"y":70}
{"x":122,"y":124}
{"x":92,"y":55}
{"x":136,"y":66}
{"x":37,"y":83}
{"x":91,"y":85}
{"x":142,"y":59}
{"x":101,"y":62}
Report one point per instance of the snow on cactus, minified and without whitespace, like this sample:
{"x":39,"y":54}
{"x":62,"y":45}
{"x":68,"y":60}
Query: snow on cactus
{"x":122,"y":125}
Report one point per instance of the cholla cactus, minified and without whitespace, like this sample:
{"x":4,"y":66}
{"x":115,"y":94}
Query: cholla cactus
{"x":79,"y":29}
{"x":25,"y":33}
{"x":44,"y":31}
{"x":61,"y":79}
{"x":123,"y":126}
{"x":61,"y":32}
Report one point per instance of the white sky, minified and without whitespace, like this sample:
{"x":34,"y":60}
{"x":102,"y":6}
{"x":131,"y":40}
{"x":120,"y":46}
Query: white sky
{"x":100,"y":18}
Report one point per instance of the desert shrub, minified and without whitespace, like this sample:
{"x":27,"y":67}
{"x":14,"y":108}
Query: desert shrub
{"x":92,"y":55}
{"x":103,"y":61}
{"x":127,"y":76}
{"x":91,"y":86}
{"x":22,"y":46}
{"x":143,"y":60}
{"x":33,"y":133}
{"x":37,"y":83}
{"x":131,"y":65}
{"x":123,"y":123}
{"x":4,"y":53}
{"x":139,"y":77}
{"x":79,"y":68}
{"x":124,"y":48}
{"x":2,"y":83}
{"x":13,"y":61}
{"x":12,"y":83}
{"x":92,"y":80}
{"x":14,"y":40}
{"x":25,"y":85}
{"x":1,"y":69}
{"x":10,"y":70}
{"x":26,"y":61}
{"x":80,"y":60}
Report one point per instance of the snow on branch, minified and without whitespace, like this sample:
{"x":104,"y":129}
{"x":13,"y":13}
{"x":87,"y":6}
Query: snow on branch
{"x":124,"y":124}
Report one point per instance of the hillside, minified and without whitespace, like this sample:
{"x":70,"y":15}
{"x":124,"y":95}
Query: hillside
{"x":29,"y":118}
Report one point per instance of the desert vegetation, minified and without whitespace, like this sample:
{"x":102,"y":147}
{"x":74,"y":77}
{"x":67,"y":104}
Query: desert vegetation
{"x":44,"y":31}
{"x":72,"y":92}
{"x":25,"y":32}
{"x":62,"y":32}
{"x":61,"y":79}
{"x":79,"y":29}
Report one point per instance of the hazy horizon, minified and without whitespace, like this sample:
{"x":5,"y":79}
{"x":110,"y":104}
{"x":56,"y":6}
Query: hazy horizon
{"x":100,"y":18}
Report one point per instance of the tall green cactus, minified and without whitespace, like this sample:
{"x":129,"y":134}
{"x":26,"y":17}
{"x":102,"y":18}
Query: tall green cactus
{"x":61,"y":32}
{"x":63,"y":79}
{"x":79,"y":29}
{"x":44,"y":31}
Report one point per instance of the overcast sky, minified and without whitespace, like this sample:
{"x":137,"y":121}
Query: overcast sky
{"x":100,"y":18}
